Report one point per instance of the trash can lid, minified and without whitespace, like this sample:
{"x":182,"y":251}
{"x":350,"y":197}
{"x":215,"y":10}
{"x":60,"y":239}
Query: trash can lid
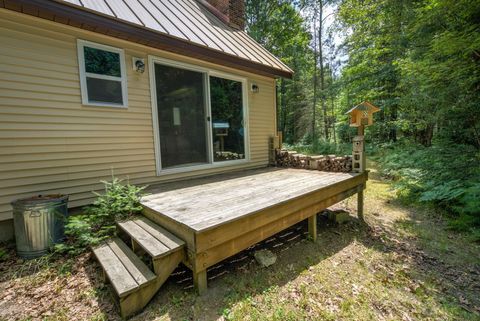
{"x":40,"y":200}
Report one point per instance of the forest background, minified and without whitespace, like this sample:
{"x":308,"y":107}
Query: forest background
{"x":418,"y":60}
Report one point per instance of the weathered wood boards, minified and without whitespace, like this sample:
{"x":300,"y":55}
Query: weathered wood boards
{"x":220,"y":216}
{"x":134,"y":283}
{"x":327,"y":163}
{"x":155,"y":240}
{"x":123,"y":268}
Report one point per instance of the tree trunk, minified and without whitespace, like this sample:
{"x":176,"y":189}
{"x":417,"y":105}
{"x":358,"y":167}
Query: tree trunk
{"x":322,"y":72}
{"x":315,"y":60}
{"x":283,"y":106}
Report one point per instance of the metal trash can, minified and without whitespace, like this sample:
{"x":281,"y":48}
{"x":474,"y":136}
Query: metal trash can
{"x":39,"y":223}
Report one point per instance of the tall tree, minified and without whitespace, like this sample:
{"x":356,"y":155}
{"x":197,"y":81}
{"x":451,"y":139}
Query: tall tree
{"x":281,"y":29}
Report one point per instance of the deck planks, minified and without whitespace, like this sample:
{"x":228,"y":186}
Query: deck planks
{"x":216,"y":200}
{"x":122,"y":281}
{"x":168,"y":239}
{"x":150,"y":244}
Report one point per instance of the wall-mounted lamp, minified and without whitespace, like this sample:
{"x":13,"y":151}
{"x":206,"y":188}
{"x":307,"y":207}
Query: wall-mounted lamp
{"x":138,"y":65}
{"x":254,"y":88}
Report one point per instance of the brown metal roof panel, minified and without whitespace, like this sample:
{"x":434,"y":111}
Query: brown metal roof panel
{"x":162,"y":19}
{"x":222,"y":32}
{"x":145,"y":16}
{"x":122,"y":11}
{"x":96,"y":5}
{"x":182,"y":26}
{"x":176,"y":18}
{"x":191,"y":23}
{"x":262,"y":51}
{"x":207,"y":25}
{"x":263,"y":56}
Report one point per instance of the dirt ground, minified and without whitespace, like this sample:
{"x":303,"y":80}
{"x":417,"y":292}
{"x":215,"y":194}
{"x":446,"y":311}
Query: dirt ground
{"x":403,"y":264}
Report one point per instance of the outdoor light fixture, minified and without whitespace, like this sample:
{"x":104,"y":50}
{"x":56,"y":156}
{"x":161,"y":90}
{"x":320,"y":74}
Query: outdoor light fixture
{"x":255,"y":88}
{"x":139,"y":65}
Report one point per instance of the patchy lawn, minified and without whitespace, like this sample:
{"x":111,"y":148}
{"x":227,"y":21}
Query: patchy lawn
{"x":402,"y":265}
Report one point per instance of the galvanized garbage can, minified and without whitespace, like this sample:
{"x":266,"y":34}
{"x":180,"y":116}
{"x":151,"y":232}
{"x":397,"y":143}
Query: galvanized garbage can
{"x":39,"y":223}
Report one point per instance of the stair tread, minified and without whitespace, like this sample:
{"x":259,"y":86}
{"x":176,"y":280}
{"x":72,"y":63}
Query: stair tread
{"x":155,"y":240}
{"x":123,"y":268}
{"x":139,"y":271}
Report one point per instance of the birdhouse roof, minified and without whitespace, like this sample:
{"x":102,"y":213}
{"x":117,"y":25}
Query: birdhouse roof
{"x":365,"y":106}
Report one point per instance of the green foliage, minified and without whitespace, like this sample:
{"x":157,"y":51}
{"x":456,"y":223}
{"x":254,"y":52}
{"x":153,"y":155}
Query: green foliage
{"x":444,"y":175}
{"x":322,"y":148}
{"x":279,"y":27}
{"x":97,"y":222}
{"x":420,"y":62}
{"x":3,"y":254}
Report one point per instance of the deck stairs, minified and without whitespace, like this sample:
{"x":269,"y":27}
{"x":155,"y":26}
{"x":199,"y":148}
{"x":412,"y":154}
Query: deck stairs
{"x":135,"y":281}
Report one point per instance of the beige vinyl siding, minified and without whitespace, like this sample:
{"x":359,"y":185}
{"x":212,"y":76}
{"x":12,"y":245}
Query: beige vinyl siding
{"x":51,"y":143}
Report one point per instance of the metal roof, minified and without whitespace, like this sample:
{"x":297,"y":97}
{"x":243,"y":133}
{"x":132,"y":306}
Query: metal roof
{"x":366,"y":105}
{"x":187,"y":20}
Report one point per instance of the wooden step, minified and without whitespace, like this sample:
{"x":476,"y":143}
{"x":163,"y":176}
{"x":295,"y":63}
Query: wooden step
{"x":126,"y":272}
{"x":155,"y":240}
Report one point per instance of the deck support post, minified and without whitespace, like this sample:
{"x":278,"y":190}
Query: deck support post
{"x":200,"y":281}
{"x":312,"y":227}
{"x":360,"y":205}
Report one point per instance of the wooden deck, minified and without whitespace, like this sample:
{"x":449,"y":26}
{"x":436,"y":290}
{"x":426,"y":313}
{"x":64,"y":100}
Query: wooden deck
{"x":221,"y":215}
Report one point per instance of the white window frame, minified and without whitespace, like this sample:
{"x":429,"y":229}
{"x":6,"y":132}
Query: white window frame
{"x":84,"y":74}
{"x":152,"y":60}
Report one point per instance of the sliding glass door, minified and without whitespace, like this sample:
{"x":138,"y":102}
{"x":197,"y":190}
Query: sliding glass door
{"x":181,"y":116}
{"x":226,"y":100}
{"x":200,"y":117}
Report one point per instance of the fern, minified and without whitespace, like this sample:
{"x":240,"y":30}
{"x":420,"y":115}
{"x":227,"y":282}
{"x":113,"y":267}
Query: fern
{"x":445,"y":175}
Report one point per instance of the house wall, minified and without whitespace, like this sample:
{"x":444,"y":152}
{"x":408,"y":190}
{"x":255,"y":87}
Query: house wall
{"x":50,"y":143}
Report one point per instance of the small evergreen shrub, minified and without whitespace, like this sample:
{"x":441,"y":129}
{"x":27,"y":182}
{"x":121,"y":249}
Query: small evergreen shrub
{"x":97,"y":222}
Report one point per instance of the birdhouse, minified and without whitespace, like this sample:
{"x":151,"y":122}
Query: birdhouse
{"x":358,"y":144}
{"x":362,"y":114}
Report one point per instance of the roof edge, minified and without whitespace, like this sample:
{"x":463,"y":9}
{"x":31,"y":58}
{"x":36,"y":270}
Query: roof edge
{"x":80,"y":18}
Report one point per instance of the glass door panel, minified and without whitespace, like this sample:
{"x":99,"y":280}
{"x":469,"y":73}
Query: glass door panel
{"x":181,"y":116}
{"x":228,"y":132}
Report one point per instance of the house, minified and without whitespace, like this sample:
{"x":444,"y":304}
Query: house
{"x":153,"y":90}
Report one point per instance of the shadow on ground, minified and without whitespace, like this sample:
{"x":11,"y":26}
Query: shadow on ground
{"x":402,"y":264}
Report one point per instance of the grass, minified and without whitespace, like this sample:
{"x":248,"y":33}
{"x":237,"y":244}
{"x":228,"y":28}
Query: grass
{"x":404,"y":264}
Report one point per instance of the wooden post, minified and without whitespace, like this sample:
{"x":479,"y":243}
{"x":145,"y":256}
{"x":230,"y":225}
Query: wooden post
{"x":200,"y":281}
{"x":361,"y":132}
{"x":360,"y":205}
{"x":312,"y":227}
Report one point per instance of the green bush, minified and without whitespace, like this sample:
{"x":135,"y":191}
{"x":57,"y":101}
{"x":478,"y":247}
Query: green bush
{"x":445,"y":175}
{"x":97,"y":222}
{"x":321,"y":148}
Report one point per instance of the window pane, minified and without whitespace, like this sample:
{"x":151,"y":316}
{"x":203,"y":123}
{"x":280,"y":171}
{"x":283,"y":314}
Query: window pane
{"x":102,"y":62}
{"x":227,"y":119}
{"x":181,"y":116}
{"x":104,"y":91}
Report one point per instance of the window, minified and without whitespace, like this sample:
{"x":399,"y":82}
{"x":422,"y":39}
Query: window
{"x":199,"y":117}
{"x":102,"y":75}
